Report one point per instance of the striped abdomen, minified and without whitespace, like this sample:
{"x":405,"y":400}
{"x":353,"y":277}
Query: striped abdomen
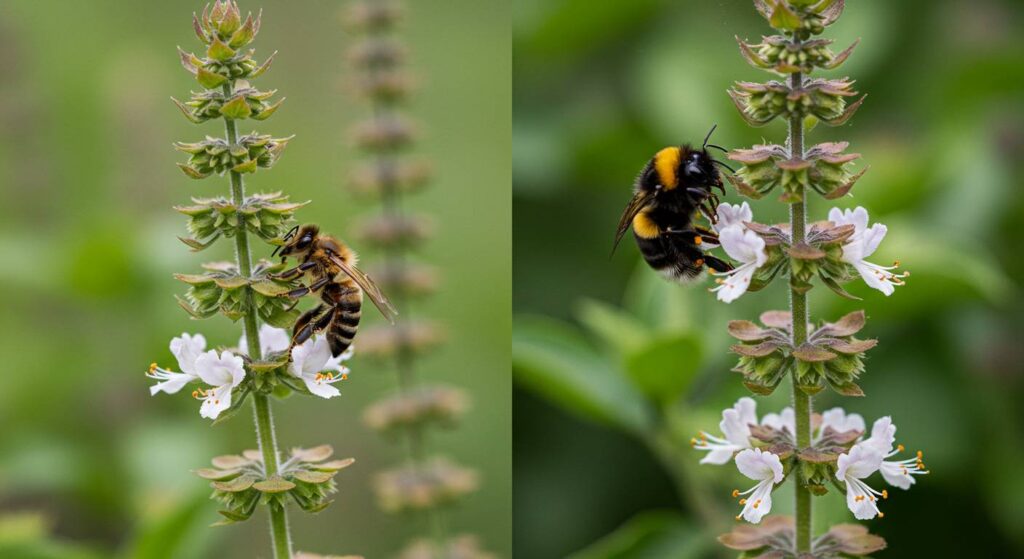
{"x":674,"y":258}
{"x":347,"y":302}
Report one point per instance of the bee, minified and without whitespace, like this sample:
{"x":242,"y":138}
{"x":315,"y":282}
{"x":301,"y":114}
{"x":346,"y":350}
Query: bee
{"x":330,"y":266}
{"x":671,"y":191}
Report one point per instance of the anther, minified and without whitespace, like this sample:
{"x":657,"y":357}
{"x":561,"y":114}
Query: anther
{"x":744,"y":501}
{"x":693,"y":442}
{"x":344,"y":376}
{"x":900,"y":448}
{"x":757,"y":502}
{"x":885,"y":493}
{"x":881,"y":514}
{"x":735,"y":493}
{"x":152,"y":367}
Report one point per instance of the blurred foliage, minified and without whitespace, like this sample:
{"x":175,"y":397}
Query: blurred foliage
{"x":88,"y":235}
{"x":599,"y":87}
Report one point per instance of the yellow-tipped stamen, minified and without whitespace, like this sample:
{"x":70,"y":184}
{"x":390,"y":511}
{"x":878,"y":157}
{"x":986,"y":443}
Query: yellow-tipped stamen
{"x":900,"y":448}
{"x":344,"y":376}
{"x":735,"y":493}
{"x":744,"y":501}
{"x":757,"y":502}
{"x":885,"y":493}
{"x":881,"y":514}
{"x":152,"y":367}
{"x":693,"y":441}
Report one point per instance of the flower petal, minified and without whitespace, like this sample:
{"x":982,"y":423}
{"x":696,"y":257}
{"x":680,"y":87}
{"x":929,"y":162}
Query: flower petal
{"x":186,"y":349}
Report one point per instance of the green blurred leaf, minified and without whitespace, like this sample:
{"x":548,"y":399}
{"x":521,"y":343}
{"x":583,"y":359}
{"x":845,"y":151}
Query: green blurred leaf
{"x":180,"y":531}
{"x":664,"y":367}
{"x":649,"y":535}
{"x":550,"y":358}
{"x":616,"y":327}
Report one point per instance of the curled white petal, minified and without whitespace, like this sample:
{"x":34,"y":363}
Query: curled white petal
{"x":860,"y":462}
{"x":746,"y":247}
{"x":313,"y":364}
{"x":839,"y":421}
{"x":861,"y":245}
{"x":729,"y":215}
{"x":766,"y":469}
{"x":186,"y":349}
{"x":735,"y":427}
{"x":171,"y":382}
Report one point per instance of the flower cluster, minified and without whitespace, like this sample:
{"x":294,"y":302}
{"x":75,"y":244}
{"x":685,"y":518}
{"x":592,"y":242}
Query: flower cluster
{"x":835,"y":250}
{"x":766,"y":451}
{"x":240,"y":481}
{"x":223,"y":373}
{"x":817,"y":450}
{"x":264,"y":364}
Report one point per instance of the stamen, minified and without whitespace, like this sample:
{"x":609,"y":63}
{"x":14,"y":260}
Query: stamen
{"x":152,"y":367}
{"x":344,"y":376}
{"x":899,"y":447}
{"x":881,"y":514}
{"x":693,"y":442}
{"x":735,"y":493}
{"x":757,"y":502}
{"x":859,"y":498}
{"x":744,"y":501}
{"x":885,"y":493}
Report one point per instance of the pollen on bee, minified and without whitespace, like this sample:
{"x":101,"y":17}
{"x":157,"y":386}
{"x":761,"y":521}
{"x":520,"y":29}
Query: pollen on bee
{"x":697,"y":240}
{"x":700,"y":261}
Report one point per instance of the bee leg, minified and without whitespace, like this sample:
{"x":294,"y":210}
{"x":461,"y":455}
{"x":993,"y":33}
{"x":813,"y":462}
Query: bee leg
{"x":294,"y":272}
{"x":717,"y":264}
{"x":311,"y":322}
{"x":302,"y":291}
{"x":709,"y":211}
{"x":706,"y":235}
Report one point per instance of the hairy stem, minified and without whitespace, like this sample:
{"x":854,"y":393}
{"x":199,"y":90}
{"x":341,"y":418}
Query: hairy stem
{"x":279,"y":534}
{"x":800,"y":316}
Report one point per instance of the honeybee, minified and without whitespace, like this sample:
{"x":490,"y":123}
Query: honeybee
{"x":330,"y":266}
{"x":673,"y":189}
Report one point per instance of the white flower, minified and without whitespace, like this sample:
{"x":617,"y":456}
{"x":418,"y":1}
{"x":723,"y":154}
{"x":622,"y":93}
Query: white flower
{"x":766,"y":469}
{"x":735,"y":426}
{"x":839,"y":421}
{"x":313,"y":364}
{"x":746,"y":247}
{"x":271,"y":340}
{"x":897,"y":473}
{"x":186,"y":348}
{"x":786,"y":419}
{"x":223,"y":372}
{"x":729,"y":215}
{"x":862,"y":244}
{"x":860,"y":462}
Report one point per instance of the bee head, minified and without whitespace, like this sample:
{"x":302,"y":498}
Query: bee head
{"x":298,"y":241}
{"x":696,"y":168}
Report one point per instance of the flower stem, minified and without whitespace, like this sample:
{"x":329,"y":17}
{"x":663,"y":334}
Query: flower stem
{"x":280,"y":537}
{"x":800,"y":317}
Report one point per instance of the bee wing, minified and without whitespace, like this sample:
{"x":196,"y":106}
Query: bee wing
{"x":369,"y":288}
{"x":640,"y":200}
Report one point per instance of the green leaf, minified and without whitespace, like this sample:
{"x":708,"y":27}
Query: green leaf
{"x":552,"y":359}
{"x":237,"y":108}
{"x":649,"y":535}
{"x":665,"y":367}
{"x":208,"y":79}
{"x":784,"y":18}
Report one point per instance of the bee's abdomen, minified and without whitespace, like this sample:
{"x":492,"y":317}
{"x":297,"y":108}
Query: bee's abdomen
{"x":345,"y":320}
{"x":676,"y":259}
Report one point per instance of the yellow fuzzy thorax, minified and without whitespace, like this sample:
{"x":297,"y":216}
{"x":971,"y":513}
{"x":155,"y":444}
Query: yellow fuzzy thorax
{"x":666,"y":162}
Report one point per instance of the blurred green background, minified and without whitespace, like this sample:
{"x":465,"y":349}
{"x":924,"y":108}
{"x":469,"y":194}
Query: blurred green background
{"x":599,"y":87}
{"x":88,"y":237}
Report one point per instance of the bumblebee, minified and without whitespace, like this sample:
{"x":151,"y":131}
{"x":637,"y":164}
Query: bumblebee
{"x":671,"y":191}
{"x":330,"y":266}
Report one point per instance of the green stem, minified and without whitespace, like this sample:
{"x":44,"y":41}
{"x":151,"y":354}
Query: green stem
{"x":800,"y":316}
{"x":280,"y":537}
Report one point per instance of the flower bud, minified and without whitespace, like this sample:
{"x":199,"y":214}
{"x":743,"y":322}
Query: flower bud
{"x":458,"y":547}
{"x":390,"y":175}
{"x":410,"y":336}
{"x":428,"y":485}
{"x":429,"y":404}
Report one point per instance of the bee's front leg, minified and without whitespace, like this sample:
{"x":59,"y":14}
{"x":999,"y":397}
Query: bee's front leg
{"x":304,"y":290}
{"x":294,"y":272}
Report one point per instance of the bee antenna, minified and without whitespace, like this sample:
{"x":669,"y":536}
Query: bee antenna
{"x":723,"y":165}
{"x":716,"y":146}
{"x":708,"y":137}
